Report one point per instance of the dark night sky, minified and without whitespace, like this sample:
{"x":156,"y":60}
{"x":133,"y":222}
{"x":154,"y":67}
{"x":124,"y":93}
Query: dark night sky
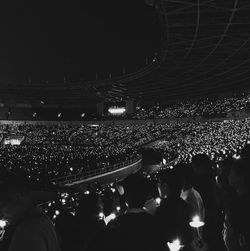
{"x":49,"y":39}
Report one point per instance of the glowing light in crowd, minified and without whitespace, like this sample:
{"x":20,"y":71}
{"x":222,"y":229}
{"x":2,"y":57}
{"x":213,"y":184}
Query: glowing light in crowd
{"x":175,"y":245}
{"x":3,"y":223}
{"x":235,"y":156}
{"x":197,"y":223}
{"x":93,"y":125}
{"x":82,"y":115}
{"x":118,"y":209}
{"x":59,"y":115}
{"x":116,"y":110}
{"x":57,"y":212}
{"x":164,"y":161}
{"x":158,"y":201}
{"x":87,"y":192}
{"x":109,"y":218}
{"x":101,"y":215}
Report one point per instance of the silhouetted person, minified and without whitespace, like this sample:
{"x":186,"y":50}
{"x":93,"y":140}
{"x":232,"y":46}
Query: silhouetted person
{"x":190,"y":194}
{"x":135,"y":230}
{"x":66,"y":227}
{"x":204,"y":182}
{"x":174,"y":214}
{"x":29,"y":227}
{"x":90,"y":226}
{"x":236,"y":226}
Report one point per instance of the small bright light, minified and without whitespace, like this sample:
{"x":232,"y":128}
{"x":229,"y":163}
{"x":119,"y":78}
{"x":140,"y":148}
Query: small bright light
{"x":158,"y":201}
{"x":71,"y":169}
{"x":113,"y":190}
{"x":235,"y":156}
{"x":116,"y":110}
{"x":118,"y":209}
{"x":94,"y":125}
{"x":87,"y":192}
{"x":82,"y":115}
{"x":164,"y":161}
{"x":34,"y":115}
{"x":175,"y":245}
{"x":101,"y":215}
{"x":59,"y":115}
{"x":63,"y":201}
{"x":57,"y":212}
{"x":196,"y":222}
{"x":3,"y":223}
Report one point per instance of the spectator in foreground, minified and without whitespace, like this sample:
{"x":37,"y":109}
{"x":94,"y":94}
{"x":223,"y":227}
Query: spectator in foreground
{"x":204,"y":182}
{"x":29,"y":228}
{"x":135,"y":230}
{"x":236,"y":226}
{"x":189,"y":194}
{"x":173,"y":215}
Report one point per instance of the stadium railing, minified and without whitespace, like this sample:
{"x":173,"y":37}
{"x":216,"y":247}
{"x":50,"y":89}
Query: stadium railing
{"x":92,"y":173}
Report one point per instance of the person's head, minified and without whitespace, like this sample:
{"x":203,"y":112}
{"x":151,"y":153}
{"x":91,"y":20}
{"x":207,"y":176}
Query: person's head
{"x":201,"y":165}
{"x":15,"y":199}
{"x":89,"y":207}
{"x":239,"y":176}
{"x":245,"y":151}
{"x":187,"y":174}
{"x":170,"y":183}
{"x":136,"y":190}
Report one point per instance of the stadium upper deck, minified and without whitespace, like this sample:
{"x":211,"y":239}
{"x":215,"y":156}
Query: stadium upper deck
{"x":205,"y":50}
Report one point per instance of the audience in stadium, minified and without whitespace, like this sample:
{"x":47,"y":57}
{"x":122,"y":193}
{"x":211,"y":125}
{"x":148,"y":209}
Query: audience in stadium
{"x":204,"y":107}
{"x":210,"y":179}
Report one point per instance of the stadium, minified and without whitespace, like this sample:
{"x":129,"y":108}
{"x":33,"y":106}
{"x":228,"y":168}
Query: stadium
{"x":125,"y":126}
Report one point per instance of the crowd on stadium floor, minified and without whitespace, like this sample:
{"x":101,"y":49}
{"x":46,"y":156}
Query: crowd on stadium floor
{"x":48,"y":152}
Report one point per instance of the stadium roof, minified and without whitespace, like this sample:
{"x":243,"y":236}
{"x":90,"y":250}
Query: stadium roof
{"x":205,"y":50}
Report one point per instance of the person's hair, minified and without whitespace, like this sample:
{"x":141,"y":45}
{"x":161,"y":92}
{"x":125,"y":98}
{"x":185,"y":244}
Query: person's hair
{"x":245,"y":151}
{"x":174,"y":180}
{"x":12,"y":184}
{"x":241,"y":168}
{"x":203,"y":160}
{"x":136,"y":190}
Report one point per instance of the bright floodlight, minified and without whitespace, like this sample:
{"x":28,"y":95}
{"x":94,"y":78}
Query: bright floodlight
{"x":116,"y":110}
{"x":175,"y":245}
{"x":2,"y":223}
{"x":196,"y":222}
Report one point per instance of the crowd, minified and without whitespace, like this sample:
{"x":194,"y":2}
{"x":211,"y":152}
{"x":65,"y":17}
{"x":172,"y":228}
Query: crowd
{"x":205,"y":107}
{"x":49,"y":152}
{"x":190,"y":207}
{"x":209,"y":184}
